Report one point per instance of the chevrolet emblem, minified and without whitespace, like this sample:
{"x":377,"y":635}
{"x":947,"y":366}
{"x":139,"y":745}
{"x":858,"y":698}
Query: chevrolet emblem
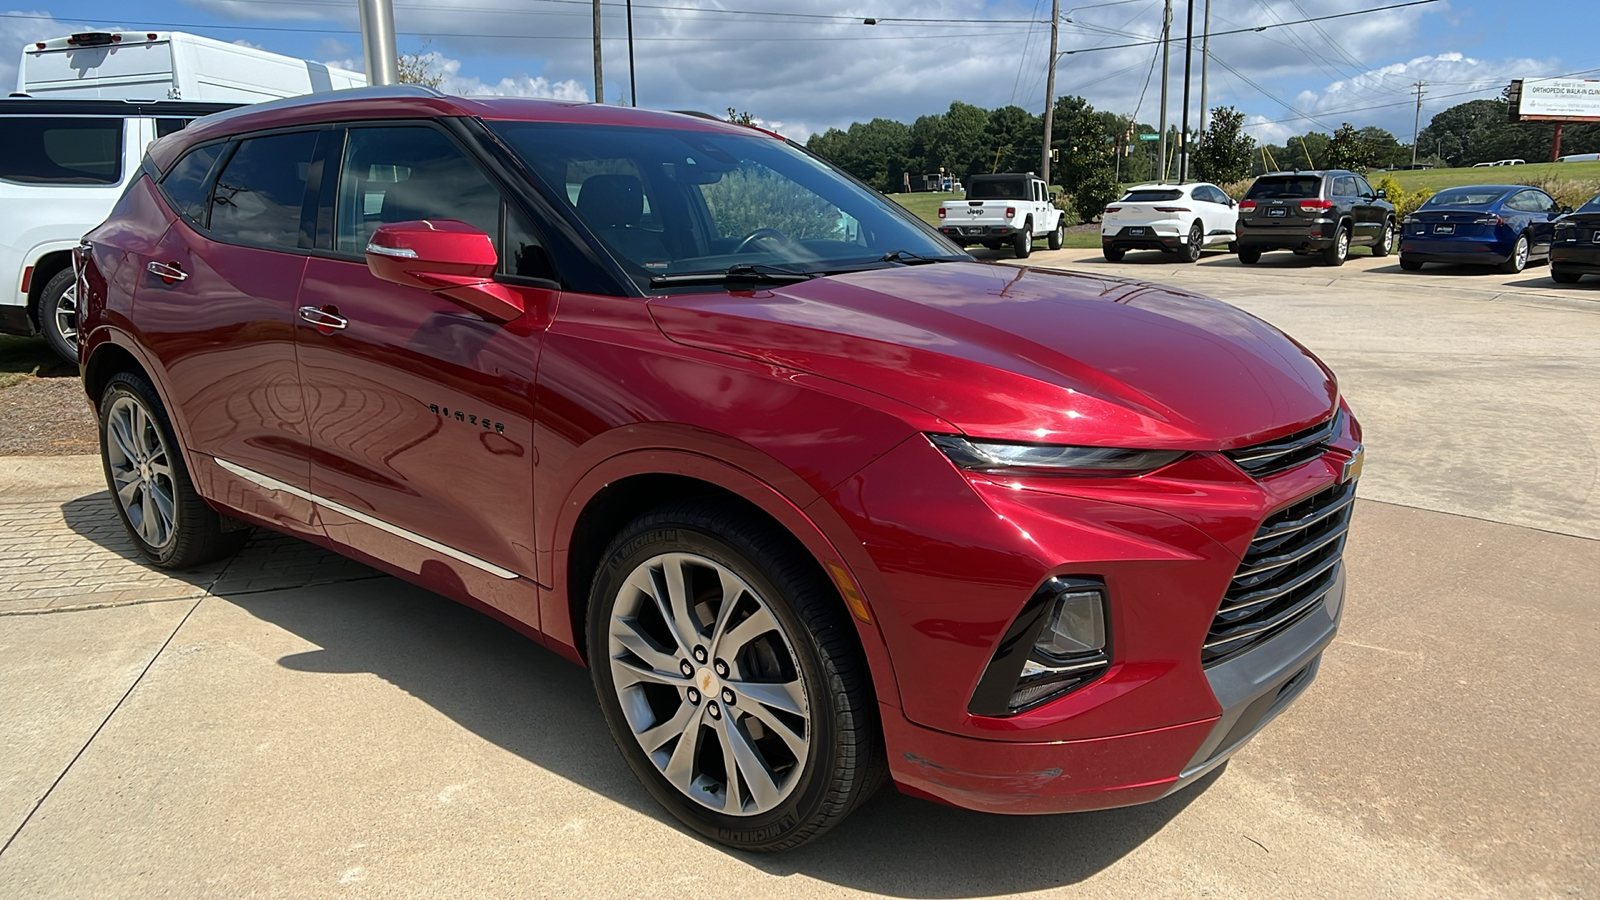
{"x":1352,"y":466}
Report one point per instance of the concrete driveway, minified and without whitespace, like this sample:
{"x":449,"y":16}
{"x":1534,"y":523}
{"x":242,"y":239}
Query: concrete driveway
{"x":291,"y":724}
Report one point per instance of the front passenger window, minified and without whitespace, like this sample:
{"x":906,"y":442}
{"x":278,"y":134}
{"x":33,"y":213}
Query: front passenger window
{"x":407,"y":173}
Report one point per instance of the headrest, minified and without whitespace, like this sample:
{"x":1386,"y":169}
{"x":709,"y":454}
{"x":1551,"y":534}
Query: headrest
{"x":611,"y":201}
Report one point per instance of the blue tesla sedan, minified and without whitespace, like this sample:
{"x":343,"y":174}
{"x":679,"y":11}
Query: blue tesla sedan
{"x":1503,"y":225}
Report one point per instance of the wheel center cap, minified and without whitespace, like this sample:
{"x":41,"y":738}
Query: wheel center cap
{"x":706,"y":680}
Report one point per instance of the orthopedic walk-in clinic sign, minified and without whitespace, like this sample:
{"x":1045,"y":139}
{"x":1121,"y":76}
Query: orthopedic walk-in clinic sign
{"x":1560,"y":98}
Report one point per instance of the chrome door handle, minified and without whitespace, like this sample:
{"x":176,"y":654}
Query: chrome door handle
{"x":323,"y":319}
{"x":167,"y":273}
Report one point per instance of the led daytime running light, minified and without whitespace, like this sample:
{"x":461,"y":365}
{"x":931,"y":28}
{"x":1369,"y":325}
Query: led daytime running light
{"x":1000,"y":457}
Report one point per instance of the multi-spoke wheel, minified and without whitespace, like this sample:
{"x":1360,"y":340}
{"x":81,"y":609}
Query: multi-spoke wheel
{"x":150,"y":487}
{"x":58,"y":314}
{"x":730,"y":679}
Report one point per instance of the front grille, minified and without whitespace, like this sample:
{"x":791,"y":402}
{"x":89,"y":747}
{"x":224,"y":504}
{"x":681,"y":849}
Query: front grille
{"x":1285,"y":453}
{"x":1292,"y":563}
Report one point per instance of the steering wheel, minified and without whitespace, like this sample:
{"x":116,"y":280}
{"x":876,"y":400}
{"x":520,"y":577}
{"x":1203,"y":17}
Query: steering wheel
{"x":761,"y":234}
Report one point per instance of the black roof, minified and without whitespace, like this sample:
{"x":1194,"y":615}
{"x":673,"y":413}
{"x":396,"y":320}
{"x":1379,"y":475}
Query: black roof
{"x":39,"y":106}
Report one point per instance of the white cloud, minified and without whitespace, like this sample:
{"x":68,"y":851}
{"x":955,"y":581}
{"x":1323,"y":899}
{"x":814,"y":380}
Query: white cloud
{"x":15,"y":33}
{"x":518,"y":85}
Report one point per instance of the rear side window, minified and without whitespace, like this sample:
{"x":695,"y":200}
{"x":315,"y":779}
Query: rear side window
{"x":1292,"y":187}
{"x":1344,"y":186}
{"x":1152,"y":196}
{"x":185,"y":185}
{"x":61,"y":150}
{"x":1013,"y":189}
{"x":261,"y":190}
{"x":165,"y":127}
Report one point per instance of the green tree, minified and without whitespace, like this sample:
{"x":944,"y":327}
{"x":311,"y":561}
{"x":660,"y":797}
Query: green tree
{"x":1385,"y":151}
{"x":1348,"y":151}
{"x":1013,"y":136}
{"x":419,"y":68}
{"x":1087,"y":167}
{"x":1223,"y":155}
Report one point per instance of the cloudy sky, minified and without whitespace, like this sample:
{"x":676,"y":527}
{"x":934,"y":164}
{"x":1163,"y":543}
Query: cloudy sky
{"x":802,"y":67}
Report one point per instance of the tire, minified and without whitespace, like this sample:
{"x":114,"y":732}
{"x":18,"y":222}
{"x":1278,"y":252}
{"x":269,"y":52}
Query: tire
{"x":790,"y":629}
{"x":1385,"y":244}
{"x":58,"y":314}
{"x":1409,"y":264}
{"x":1022,"y":244}
{"x":1565,"y":277}
{"x":1519,"y":257}
{"x":1233,"y":246}
{"x":1113,"y":254}
{"x":1058,"y":237}
{"x":1339,"y":250}
{"x":1192,"y":247}
{"x":169,"y":523}
{"x":1248,"y":256}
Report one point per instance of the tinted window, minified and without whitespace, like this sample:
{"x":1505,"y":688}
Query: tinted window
{"x":1593,"y":206}
{"x":1344,"y":186}
{"x":1291,"y":187}
{"x":1531,"y":201}
{"x":404,"y":174}
{"x":1465,"y":197}
{"x":1363,"y":188}
{"x":165,"y":127}
{"x":185,"y":185}
{"x":260,"y":192}
{"x":997,"y":189}
{"x":1151,"y":196}
{"x":61,"y":151}
{"x":524,"y":253}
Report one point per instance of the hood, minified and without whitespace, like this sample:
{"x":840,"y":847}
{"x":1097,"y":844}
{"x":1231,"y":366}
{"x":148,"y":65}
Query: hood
{"x":1024,"y":354}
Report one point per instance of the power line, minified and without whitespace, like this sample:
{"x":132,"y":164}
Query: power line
{"x":1358,"y":12}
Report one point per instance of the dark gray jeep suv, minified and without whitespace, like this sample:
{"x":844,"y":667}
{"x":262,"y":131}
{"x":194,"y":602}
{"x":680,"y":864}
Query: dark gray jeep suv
{"x":1323,"y":212}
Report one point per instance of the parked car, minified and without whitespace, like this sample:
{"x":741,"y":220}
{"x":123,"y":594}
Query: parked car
{"x":1180,"y":219}
{"x":1321,"y":212}
{"x":816,"y":497}
{"x":1505,"y":225}
{"x":63,"y":164}
{"x":1011,"y":209}
{"x":1510,"y":162}
{"x":1579,"y":157}
{"x":1575,"y":247}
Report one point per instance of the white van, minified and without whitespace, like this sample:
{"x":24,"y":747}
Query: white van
{"x":168,"y":65}
{"x":1579,"y":157}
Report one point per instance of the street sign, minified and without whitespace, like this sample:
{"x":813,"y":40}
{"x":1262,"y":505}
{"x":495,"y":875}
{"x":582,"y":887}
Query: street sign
{"x":1149,"y":137}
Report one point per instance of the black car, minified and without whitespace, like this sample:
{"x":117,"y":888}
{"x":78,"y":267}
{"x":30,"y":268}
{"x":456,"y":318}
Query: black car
{"x":1323,"y":212}
{"x":1575,"y":250}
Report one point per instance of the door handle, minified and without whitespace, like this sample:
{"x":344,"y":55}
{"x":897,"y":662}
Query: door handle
{"x":167,"y":272}
{"x":323,"y":319}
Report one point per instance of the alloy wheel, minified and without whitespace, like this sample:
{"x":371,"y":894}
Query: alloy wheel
{"x":709,"y":684}
{"x":141,"y":470}
{"x":1344,"y":244}
{"x":66,"y":318}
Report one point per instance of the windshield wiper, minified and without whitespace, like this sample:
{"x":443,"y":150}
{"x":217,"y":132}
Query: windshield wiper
{"x":907,"y":257}
{"x":743,"y":273}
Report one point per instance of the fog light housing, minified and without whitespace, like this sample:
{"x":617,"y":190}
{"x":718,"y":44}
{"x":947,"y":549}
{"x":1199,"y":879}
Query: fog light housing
{"x":1058,"y":643}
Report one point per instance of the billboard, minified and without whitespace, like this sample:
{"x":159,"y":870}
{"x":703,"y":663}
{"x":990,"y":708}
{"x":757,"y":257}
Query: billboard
{"x":1559,"y":99}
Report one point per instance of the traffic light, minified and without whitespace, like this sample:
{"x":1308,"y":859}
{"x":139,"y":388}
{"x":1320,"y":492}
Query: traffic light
{"x":1055,"y":155}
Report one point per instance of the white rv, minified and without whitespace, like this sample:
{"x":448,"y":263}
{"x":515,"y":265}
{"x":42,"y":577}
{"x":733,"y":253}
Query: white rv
{"x":168,"y":65}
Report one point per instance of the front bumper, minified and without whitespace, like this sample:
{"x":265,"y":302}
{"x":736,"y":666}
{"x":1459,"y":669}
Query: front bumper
{"x":1121,"y":770}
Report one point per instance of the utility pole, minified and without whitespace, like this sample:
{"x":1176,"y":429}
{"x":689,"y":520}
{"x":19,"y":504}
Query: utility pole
{"x":1166,"y":50}
{"x":1188,"y":60}
{"x":1416,"y":123}
{"x":377,"y":42}
{"x":1050,"y":93}
{"x":633,"y":82}
{"x":599,"y":82}
{"x":1205,"y":57}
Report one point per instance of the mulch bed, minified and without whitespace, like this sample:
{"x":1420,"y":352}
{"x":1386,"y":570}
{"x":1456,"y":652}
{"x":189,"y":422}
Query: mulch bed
{"x":47,"y":417}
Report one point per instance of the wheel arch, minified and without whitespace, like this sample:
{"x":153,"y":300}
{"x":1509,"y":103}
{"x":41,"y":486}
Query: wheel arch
{"x":111,"y":351}
{"x":49,"y":263}
{"x":625,"y":486}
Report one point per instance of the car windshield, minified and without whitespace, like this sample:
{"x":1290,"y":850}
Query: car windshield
{"x":1291,"y":188}
{"x":1465,"y":197}
{"x":998,"y":189}
{"x":671,"y":202}
{"x":1151,"y":196}
{"x":1593,"y":206}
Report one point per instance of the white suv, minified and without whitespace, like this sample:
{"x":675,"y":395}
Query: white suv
{"x":63,"y":164}
{"x":1180,"y":219}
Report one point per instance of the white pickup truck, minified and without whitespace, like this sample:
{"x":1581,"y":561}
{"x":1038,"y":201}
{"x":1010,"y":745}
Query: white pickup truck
{"x":1008,"y":209}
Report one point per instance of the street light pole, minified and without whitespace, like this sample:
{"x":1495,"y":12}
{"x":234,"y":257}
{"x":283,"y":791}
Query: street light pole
{"x":377,"y":42}
{"x":599,"y":82}
{"x":1050,"y":93}
{"x":1188,"y":59}
{"x":633,"y":82}
{"x":1166,"y":51}
{"x":1205,"y":57}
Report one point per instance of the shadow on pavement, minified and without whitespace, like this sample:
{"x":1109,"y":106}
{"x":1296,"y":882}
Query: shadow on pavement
{"x":505,"y":689}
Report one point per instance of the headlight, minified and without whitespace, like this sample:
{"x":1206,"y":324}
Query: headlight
{"x":997,"y":457}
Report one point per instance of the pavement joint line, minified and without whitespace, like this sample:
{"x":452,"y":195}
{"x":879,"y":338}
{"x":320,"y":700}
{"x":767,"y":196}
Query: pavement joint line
{"x":103,"y":722}
{"x":88,"y":607}
{"x":1462,"y":515}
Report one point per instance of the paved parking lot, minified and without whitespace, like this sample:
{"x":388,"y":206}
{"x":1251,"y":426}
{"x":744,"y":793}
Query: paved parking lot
{"x":290,"y":724}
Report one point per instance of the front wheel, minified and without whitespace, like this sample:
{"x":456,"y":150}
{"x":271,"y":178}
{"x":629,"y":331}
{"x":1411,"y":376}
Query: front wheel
{"x":1058,"y":237}
{"x":1519,"y":257}
{"x":1339,"y":250}
{"x":729,"y":676}
{"x":1565,"y":277}
{"x":58,"y":314}
{"x":1385,"y":244}
{"x":150,"y":487}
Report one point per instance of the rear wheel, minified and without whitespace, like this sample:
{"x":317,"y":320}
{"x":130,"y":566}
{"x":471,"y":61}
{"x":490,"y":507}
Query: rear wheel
{"x":1339,"y":250}
{"x":1409,"y":264}
{"x":1519,"y":257}
{"x":1058,"y":237}
{"x":58,"y":314}
{"x":1022,"y":243}
{"x":1248,"y":256}
{"x":1564,"y":276}
{"x":1191,"y":248}
{"x":150,"y":487}
{"x":1385,"y":244}
{"x":1113,"y":254}
{"x":729,"y":677}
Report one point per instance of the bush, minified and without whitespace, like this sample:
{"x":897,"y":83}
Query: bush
{"x":1095,"y":190}
{"x":1405,"y":202}
{"x":1573,"y":192}
{"x":1237,"y":189}
{"x":1069,"y":212}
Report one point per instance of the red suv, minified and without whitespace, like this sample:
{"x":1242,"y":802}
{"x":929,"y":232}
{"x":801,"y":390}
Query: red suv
{"x":818,"y":499}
